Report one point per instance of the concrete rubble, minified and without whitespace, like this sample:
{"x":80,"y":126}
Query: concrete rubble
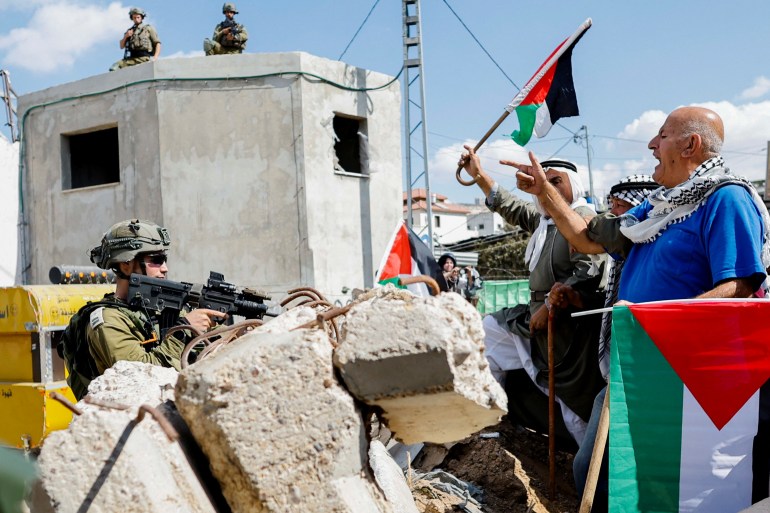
{"x":274,"y":425}
{"x":106,"y":461}
{"x":417,"y":359}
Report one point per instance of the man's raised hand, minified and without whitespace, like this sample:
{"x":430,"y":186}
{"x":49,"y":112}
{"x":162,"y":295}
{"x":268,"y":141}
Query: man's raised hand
{"x":529,"y":177}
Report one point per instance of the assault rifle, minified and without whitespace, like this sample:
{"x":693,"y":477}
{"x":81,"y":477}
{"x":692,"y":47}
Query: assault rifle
{"x":232,"y":25}
{"x":167,"y":298}
{"x":129,"y":46}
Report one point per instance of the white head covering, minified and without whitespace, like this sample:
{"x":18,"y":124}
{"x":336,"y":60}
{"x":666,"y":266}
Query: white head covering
{"x":537,"y":240}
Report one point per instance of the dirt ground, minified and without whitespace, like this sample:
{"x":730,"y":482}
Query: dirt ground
{"x":511,"y":469}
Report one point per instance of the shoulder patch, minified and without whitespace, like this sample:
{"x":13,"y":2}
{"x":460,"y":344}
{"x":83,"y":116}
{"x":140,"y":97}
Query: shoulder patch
{"x":97,"y":317}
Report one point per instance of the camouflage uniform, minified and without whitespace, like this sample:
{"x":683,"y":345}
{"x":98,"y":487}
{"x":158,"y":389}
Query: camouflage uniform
{"x":219,"y":44}
{"x":142,"y":46}
{"x":121,"y":333}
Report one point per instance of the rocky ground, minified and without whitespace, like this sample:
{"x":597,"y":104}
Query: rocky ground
{"x":511,"y":470}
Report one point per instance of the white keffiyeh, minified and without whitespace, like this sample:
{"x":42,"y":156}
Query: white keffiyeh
{"x":674,"y":205}
{"x":537,"y":240}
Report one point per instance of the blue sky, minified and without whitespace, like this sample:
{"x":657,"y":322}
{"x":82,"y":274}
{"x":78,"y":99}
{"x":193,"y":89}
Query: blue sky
{"x":639,"y":61}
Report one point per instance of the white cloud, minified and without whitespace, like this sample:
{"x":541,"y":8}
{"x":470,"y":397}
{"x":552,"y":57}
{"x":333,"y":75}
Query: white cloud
{"x":185,"y":55}
{"x":48,"y":44}
{"x":760,"y":88}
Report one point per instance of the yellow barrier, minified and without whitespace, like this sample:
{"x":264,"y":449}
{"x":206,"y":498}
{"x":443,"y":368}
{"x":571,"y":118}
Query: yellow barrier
{"x":31,"y":319}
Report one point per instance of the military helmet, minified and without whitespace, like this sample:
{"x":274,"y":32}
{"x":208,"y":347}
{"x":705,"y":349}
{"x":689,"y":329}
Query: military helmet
{"x":229,"y":7}
{"x":127,"y":239}
{"x":136,"y":10}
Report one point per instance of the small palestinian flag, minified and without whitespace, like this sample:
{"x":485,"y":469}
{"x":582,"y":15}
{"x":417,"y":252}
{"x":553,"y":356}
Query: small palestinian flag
{"x":407,"y":255}
{"x":688,"y":386}
{"x":550,"y":93}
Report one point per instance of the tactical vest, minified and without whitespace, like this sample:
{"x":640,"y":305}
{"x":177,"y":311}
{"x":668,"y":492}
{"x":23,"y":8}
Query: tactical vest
{"x":140,"y":40}
{"x":73,"y":347}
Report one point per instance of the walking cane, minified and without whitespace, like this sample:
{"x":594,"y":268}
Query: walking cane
{"x":551,"y":411}
{"x":596,"y":456}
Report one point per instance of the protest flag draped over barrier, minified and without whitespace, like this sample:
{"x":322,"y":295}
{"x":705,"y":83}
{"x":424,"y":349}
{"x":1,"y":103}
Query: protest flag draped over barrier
{"x":685,"y":384}
{"x":550,"y":93}
{"x":407,"y":255}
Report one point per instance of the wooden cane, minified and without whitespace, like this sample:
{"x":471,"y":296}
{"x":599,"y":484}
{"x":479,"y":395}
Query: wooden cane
{"x":551,"y":411}
{"x":478,"y":145}
{"x":596,"y":456}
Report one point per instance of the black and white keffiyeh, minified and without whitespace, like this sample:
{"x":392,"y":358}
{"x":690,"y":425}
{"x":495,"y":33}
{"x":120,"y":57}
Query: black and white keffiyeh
{"x":674,"y":205}
{"x":633,"y":189}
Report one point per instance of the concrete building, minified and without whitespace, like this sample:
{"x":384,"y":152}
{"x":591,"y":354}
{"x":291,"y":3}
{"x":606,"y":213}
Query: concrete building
{"x":277,"y":170}
{"x":452,"y":222}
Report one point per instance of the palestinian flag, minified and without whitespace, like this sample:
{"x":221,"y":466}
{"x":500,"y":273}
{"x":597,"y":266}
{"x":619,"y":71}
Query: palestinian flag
{"x":550,"y":93}
{"x":407,"y":255}
{"x":686,"y":381}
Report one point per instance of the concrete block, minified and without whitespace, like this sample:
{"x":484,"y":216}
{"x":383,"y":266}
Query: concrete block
{"x":106,"y":461}
{"x":390,"y":478}
{"x":280,"y":432}
{"x":133,"y":384}
{"x":418,"y":359}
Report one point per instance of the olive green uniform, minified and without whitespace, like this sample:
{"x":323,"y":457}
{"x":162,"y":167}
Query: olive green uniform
{"x":575,"y":339}
{"x":219,"y":44}
{"x":119,"y":333}
{"x":141,"y":46}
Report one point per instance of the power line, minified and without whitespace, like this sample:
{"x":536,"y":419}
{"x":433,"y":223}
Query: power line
{"x":481,"y":45}
{"x":359,"y":30}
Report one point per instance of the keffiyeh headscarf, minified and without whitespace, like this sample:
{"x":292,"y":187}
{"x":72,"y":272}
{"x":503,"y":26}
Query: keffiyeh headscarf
{"x":537,"y":240}
{"x":633,"y":189}
{"x":671,"y":206}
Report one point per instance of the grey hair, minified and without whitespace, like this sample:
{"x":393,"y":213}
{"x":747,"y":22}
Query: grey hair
{"x":710,"y":139}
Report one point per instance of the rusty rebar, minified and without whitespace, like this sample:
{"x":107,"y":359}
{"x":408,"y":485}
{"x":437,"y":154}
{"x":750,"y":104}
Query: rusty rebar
{"x":183,"y":327}
{"x":421,"y":278}
{"x":226,"y":333}
{"x":66,"y":403}
{"x":163,"y":422}
{"x":291,"y":297}
{"x":105,"y":404}
{"x":161,"y":419}
{"x":308,"y":289}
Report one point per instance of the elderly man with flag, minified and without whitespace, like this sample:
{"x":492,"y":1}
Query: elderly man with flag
{"x":516,"y":339}
{"x":705,"y":233}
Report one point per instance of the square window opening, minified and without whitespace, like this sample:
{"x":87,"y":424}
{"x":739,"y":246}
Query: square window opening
{"x":90,"y":158}
{"x":350,"y":145}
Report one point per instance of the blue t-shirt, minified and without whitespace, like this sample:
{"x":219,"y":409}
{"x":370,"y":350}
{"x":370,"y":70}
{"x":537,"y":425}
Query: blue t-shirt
{"x":722,"y":240}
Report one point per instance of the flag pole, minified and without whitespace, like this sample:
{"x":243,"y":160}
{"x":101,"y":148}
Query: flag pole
{"x":525,"y":91}
{"x":551,"y":411}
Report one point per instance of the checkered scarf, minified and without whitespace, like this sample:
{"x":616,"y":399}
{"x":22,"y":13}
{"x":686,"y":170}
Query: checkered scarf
{"x":633,"y":189}
{"x":674,"y":205}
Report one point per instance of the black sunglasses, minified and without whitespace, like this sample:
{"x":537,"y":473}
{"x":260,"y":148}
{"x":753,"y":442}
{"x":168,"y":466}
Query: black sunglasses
{"x":158,"y":259}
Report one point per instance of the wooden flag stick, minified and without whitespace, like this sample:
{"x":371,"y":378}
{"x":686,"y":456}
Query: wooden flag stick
{"x":551,"y":411}
{"x":522,"y":94}
{"x":478,"y":145}
{"x":596,"y":456}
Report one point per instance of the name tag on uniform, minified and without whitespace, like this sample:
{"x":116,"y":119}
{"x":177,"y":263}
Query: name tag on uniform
{"x":97,"y":317}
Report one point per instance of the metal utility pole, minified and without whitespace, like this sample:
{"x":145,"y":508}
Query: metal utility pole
{"x":414,"y":72}
{"x":575,"y":139}
{"x":7,"y":96}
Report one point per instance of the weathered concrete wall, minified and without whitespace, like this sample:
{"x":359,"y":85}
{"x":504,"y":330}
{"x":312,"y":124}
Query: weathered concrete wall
{"x":240,"y":170}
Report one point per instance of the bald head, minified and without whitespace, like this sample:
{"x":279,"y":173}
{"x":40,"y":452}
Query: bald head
{"x":688,"y":137}
{"x":702,"y":122}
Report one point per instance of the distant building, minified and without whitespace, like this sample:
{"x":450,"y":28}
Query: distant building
{"x":452,"y":222}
